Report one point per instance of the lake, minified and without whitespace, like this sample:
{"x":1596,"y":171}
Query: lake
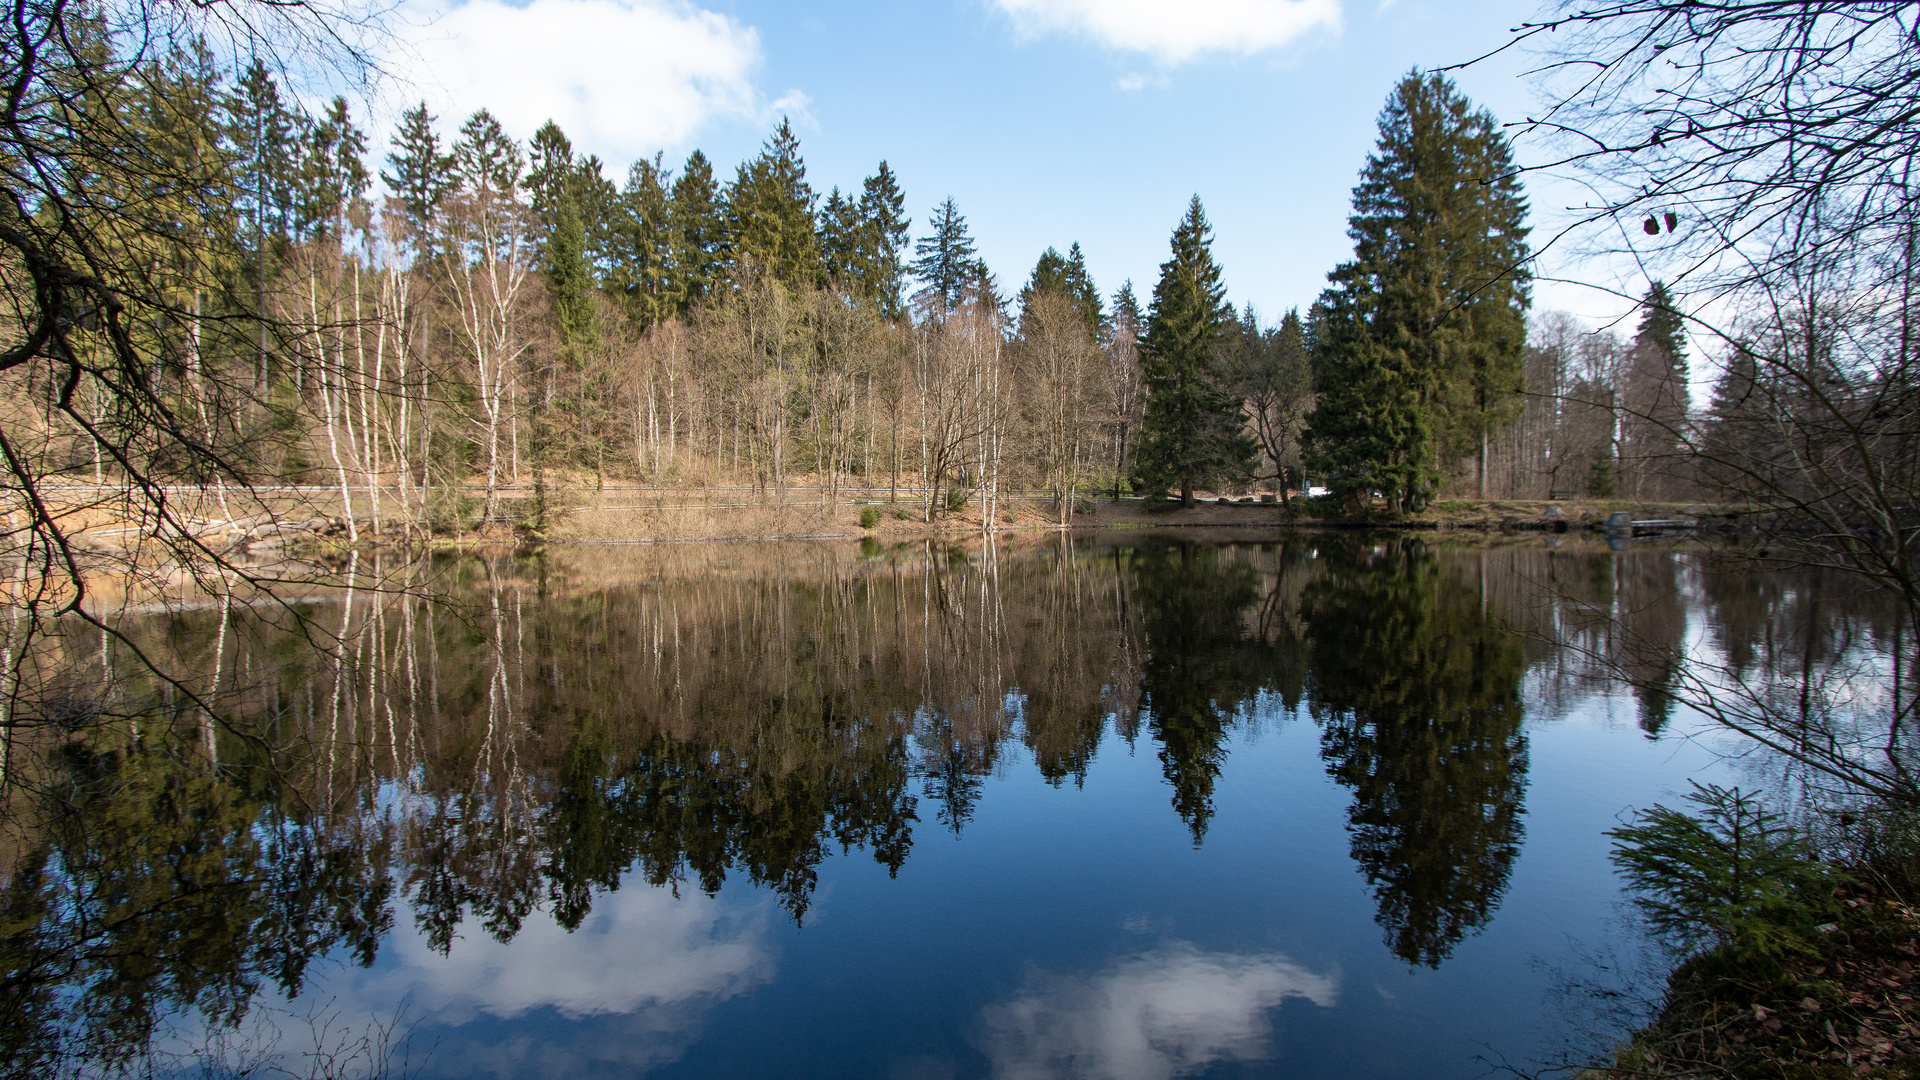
{"x":1137,"y":806}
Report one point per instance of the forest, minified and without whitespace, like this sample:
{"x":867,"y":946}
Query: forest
{"x":453,"y":334}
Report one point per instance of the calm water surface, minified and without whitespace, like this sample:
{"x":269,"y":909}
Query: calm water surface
{"x":1327,"y":806}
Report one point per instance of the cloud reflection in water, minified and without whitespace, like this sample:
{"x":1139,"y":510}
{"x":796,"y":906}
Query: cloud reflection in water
{"x":637,"y":978}
{"x":1167,"y":1013}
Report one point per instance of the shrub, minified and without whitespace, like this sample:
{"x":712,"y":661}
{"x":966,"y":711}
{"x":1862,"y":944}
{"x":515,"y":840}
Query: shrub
{"x":869,"y":516}
{"x":900,"y":515}
{"x":956,"y":500}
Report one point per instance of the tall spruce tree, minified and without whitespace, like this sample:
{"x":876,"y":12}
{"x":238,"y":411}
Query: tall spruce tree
{"x":840,"y":239}
{"x":883,"y":216}
{"x":333,"y":177}
{"x":1067,"y":276}
{"x":944,"y":260}
{"x":770,"y":213}
{"x":486,"y":158}
{"x":1653,"y":427}
{"x":1422,"y":331}
{"x":550,"y":169}
{"x":421,"y":173}
{"x":641,"y":246}
{"x":261,"y":130}
{"x":696,"y":235}
{"x":1191,"y":433}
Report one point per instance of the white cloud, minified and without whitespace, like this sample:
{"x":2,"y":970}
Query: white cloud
{"x":621,"y":77}
{"x":1168,"y":1013}
{"x":1174,"y":31}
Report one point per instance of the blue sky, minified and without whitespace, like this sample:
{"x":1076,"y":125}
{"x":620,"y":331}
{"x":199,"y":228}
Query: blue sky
{"x":1048,"y":121}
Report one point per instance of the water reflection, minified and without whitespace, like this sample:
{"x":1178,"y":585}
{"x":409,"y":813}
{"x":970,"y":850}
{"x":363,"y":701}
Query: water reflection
{"x":489,"y":766}
{"x":1203,"y":664}
{"x":1171,"y":1012}
{"x":1416,"y":687}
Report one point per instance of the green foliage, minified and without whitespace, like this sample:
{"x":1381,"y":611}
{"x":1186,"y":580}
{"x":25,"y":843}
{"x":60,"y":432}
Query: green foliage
{"x":861,"y":240}
{"x":421,"y":174}
{"x":1066,"y":275}
{"x":696,"y":231}
{"x":1732,"y":875}
{"x":640,"y":258}
{"x":1192,"y":428}
{"x":770,"y":213}
{"x":1420,"y":335}
{"x":944,"y":261}
{"x":488,"y":161}
{"x":956,"y":500}
{"x":869,"y":516}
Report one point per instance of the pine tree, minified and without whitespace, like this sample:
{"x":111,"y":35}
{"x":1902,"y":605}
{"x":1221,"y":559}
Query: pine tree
{"x":1123,"y":368}
{"x":944,"y":260}
{"x":883,"y":215}
{"x":333,"y":177}
{"x":1066,"y":275}
{"x":840,"y":228}
{"x":1049,"y":275}
{"x":1423,"y":329}
{"x":261,"y":130}
{"x":550,"y":168}
{"x":1192,"y":431}
{"x":696,"y":229}
{"x":1656,"y":396}
{"x":770,"y":213}
{"x":1080,"y":285}
{"x":421,"y":175}
{"x":486,"y":158}
{"x":640,"y":246}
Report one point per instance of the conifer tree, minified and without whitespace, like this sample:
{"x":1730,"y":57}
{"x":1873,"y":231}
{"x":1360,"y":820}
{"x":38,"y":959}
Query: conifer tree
{"x":1123,"y":368}
{"x":1080,"y":285}
{"x":1066,"y":275}
{"x":550,"y":168}
{"x":1422,"y":331}
{"x":696,"y":228}
{"x":840,"y":239}
{"x":1192,"y":431}
{"x":640,"y":245}
{"x":944,"y":260}
{"x":1656,"y":396}
{"x":333,"y":176}
{"x":486,"y":158}
{"x":261,"y":129}
{"x":421,"y":174}
{"x":883,"y":216}
{"x":770,"y":213}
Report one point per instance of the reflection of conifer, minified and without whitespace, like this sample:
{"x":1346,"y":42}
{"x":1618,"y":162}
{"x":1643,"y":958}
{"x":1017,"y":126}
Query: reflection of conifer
{"x":1201,"y":666}
{"x":955,"y":788}
{"x":1418,"y":694}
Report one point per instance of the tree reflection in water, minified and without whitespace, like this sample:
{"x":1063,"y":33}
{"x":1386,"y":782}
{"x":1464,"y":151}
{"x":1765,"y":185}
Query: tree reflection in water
{"x":547,"y":728}
{"x":1416,"y":687}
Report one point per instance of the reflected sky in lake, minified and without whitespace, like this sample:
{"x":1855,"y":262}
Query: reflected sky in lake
{"x":1329,"y":807}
